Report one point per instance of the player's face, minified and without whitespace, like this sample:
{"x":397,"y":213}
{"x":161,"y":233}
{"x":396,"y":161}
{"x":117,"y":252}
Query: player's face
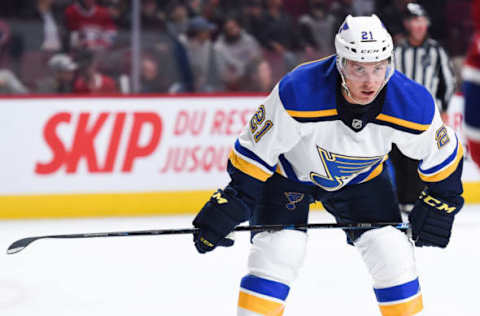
{"x":365,"y":79}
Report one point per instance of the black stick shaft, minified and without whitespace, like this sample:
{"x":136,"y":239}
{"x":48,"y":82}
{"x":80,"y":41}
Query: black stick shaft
{"x":19,"y":245}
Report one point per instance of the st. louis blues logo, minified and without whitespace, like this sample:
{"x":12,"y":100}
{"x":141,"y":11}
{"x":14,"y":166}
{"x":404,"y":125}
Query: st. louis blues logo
{"x":340,"y":169}
{"x":293,"y":198}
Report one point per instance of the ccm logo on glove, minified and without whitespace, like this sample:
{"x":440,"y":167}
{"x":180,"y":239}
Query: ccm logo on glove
{"x":439,"y":205}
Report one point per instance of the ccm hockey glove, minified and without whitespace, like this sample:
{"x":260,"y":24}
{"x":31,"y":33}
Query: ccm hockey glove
{"x":218,"y":218}
{"x":432,"y":219}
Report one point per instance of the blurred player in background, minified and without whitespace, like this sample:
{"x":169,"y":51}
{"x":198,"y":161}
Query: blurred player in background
{"x":471,"y":88}
{"x":323,"y":134}
{"x":422,"y":59}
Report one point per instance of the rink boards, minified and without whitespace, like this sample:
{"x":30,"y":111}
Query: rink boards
{"x":136,"y":155}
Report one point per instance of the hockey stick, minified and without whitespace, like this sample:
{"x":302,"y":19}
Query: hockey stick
{"x":21,"y":244}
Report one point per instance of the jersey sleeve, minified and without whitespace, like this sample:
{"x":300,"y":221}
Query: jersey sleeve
{"x":440,"y":153}
{"x":269,"y":133}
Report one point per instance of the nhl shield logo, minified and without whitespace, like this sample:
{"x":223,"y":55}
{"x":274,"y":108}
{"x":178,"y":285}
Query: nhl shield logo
{"x":357,"y":124}
{"x":293,"y":198}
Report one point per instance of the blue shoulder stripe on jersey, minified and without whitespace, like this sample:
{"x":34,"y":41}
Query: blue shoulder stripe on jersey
{"x":249,"y":154}
{"x":266,"y":287}
{"x":407,"y":103}
{"x":442,"y":164}
{"x":289,"y":170}
{"x":309,"y":89}
{"x":399,"y":292}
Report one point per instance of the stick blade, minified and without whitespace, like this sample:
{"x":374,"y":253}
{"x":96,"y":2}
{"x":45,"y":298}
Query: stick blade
{"x":19,"y":245}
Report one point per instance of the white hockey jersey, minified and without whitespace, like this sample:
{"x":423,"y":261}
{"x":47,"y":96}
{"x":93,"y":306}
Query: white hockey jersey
{"x":297,"y":132}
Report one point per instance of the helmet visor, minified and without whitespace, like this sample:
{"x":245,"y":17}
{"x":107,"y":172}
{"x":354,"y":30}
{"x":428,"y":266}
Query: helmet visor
{"x":370,"y":71}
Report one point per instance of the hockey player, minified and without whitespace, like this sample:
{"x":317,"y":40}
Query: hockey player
{"x":323,"y":134}
{"x":471,"y":88}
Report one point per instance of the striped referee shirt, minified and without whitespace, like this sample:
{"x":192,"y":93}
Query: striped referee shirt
{"x":429,"y":65}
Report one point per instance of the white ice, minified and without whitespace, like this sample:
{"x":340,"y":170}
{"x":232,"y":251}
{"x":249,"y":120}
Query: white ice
{"x":164,"y":275}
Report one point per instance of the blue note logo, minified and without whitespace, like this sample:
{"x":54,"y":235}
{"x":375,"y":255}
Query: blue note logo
{"x":339,"y":169}
{"x":293,"y":198}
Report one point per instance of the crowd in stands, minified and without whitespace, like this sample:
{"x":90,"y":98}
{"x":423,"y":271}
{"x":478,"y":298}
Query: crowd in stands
{"x":189,"y":46}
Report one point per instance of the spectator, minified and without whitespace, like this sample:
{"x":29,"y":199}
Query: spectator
{"x":421,"y":59}
{"x":253,"y":21}
{"x":51,"y":28}
{"x":9,"y":83}
{"x":202,"y":54}
{"x":42,"y":26}
{"x":165,"y":49}
{"x":281,"y":39}
{"x":237,"y":50}
{"x":194,"y":7}
{"x":152,"y":18}
{"x":178,"y":19}
{"x":280,"y":33}
{"x":91,"y":26}
{"x":317,"y":28}
{"x":90,"y":80}
{"x":63,"y":68}
{"x":151,"y":80}
{"x":259,"y":77}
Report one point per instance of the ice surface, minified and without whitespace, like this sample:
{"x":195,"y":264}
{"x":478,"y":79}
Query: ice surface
{"x":164,"y":275}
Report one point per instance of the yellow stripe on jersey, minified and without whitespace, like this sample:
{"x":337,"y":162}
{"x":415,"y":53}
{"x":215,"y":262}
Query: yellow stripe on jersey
{"x":247,"y":167}
{"x":260,"y":305}
{"x":409,"y":308}
{"x":374,"y":173}
{"x":443,"y":174}
{"x":404,"y":123}
{"x":321,"y":113}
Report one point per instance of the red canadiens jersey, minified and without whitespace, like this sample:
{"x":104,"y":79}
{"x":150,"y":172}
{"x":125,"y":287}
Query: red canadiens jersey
{"x":95,"y":27}
{"x":100,"y":84}
{"x":473,"y":55}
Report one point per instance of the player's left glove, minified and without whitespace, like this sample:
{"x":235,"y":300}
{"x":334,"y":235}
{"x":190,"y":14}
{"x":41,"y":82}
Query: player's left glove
{"x":217,"y":219}
{"x":432,"y":218}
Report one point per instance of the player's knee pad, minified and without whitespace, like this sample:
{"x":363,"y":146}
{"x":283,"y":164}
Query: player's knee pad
{"x":277,"y":255}
{"x":388,"y":255}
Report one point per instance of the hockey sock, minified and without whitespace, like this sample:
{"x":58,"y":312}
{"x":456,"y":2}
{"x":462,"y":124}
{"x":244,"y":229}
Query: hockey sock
{"x":400,"y":300}
{"x":259,"y":296}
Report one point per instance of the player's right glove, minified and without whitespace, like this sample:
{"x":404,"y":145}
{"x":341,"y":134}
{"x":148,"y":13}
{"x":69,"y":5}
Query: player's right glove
{"x":218,"y":218}
{"x":432,"y":218}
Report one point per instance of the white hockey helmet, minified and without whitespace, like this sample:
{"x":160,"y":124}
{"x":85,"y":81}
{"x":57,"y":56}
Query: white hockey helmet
{"x":363,"y":39}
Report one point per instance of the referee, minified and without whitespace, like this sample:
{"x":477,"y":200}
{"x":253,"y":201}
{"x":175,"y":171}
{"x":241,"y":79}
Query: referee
{"x":422,"y":59}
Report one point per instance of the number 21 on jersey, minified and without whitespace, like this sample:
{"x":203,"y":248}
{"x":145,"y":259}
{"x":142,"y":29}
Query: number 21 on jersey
{"x":258,"y":125}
